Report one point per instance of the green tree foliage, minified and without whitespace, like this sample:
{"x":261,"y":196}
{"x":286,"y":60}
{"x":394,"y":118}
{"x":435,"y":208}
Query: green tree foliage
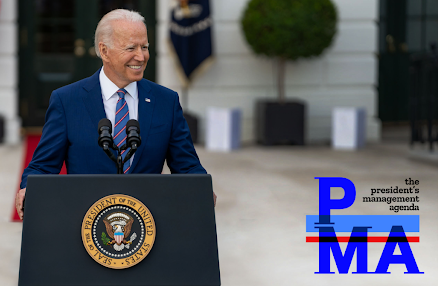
{"x":289,"y":29}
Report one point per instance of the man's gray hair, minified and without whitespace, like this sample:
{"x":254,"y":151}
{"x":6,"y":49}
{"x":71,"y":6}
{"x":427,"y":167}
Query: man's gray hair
{"x":104,"y":30}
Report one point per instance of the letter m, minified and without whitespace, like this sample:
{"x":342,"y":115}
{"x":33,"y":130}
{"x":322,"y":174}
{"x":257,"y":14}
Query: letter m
{"x":328,"y":240}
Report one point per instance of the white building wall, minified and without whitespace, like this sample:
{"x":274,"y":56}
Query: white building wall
{"x":346,"y":74}
{"x":9,"y":70}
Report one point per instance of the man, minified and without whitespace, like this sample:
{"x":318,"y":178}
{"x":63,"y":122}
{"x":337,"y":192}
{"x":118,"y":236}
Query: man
{"x":117,"y":92}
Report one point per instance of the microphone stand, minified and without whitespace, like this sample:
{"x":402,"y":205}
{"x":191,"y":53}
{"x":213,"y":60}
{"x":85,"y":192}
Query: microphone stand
{"x":119,"y":159}
{"x":119,"y":163}
{"x":109,"y":153}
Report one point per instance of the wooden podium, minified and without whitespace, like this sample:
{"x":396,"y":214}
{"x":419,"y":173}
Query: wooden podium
{"x":184,"y":251}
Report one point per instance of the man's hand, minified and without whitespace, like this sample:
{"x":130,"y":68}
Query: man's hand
{"x":19,"y":199}
{"x":214,"y":198}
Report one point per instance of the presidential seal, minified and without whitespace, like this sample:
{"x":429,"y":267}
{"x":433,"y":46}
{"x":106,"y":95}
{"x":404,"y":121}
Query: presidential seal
{"x":118,"y":231}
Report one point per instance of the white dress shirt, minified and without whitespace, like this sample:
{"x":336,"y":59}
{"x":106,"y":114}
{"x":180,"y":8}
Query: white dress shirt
{"x":110,"y":98}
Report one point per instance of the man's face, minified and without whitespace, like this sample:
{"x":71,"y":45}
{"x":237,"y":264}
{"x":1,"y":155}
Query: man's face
{"x":126,"y":60}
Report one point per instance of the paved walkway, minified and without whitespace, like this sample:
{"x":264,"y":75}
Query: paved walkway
{"x":263,"y":197}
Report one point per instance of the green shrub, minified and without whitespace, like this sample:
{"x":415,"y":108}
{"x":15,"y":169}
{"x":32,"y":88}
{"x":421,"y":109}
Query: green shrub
{"x":289,"y":28}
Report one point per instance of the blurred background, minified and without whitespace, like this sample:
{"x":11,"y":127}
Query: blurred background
{"x":47,"y":44}
{"x":382,"y":65}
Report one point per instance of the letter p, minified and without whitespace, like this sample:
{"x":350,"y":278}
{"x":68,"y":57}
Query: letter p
{"x":326,"y":203}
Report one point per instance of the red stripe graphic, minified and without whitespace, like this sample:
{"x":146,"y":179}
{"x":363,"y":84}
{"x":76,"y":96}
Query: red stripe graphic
{"x":127,"y":170}
{"x":369,"y":239}
{"x":120,"y":91}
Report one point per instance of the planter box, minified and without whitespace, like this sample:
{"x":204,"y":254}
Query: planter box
{"x":223,"y":129}
{"x":348,"y":128}
{"x":280,"y":123}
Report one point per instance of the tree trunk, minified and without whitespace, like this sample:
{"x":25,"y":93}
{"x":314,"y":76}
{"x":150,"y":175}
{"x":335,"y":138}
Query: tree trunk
{"x":281,"y":67}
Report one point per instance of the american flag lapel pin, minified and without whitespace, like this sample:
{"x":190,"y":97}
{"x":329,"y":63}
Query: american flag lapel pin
{"x":147,"y":100}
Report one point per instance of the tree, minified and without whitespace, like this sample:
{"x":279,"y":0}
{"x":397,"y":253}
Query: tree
{"x":289,"y":30}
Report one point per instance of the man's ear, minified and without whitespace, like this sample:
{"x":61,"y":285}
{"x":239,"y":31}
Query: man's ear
{"x":103,"y":49}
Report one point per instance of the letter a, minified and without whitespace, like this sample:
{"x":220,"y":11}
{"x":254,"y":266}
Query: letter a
{"x":407,"y":258}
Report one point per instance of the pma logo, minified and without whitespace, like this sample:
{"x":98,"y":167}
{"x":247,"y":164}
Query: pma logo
{"x":359,"y":225}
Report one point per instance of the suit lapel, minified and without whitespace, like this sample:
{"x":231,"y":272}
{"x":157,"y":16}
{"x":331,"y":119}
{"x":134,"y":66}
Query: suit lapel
{"x":146,"y":104}
{"x":93,"y":99}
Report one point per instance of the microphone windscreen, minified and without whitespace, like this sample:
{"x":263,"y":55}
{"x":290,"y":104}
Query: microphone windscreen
{"x":133,"y":122}
{"x":105,"y":122}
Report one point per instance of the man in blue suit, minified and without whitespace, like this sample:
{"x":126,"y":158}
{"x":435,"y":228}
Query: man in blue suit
{"x":70,"y":132}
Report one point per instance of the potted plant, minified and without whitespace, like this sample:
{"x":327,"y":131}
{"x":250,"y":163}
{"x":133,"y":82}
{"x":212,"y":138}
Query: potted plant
{"x":286,"y":30}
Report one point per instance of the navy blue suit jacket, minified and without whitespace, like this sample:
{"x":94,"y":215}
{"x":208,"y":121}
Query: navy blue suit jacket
{"x":70,"y":133}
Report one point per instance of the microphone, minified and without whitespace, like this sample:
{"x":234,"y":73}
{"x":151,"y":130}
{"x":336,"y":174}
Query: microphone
{"x":105,"y":129}
{"x":133,"y":138}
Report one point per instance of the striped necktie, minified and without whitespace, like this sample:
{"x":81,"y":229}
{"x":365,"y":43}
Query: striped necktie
{"x":122,"y":117}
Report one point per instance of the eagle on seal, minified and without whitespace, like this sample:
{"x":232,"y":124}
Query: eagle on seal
{"x":117,"y":233}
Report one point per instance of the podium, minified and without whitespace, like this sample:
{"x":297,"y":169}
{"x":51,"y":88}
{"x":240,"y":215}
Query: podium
{"x":184,"y":251}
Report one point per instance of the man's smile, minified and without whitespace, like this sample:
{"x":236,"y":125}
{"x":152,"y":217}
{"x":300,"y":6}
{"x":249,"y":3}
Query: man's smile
{"x":134,"y":67}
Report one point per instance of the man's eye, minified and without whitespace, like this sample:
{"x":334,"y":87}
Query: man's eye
{"x":145,"y":47}
{"x":130,"y":49}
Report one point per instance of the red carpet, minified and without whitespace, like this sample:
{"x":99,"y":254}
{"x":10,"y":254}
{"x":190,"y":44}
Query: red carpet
{"x":30,"y":144}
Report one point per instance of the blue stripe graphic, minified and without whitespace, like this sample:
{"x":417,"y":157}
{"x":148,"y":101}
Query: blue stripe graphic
{"x":377,"y":223}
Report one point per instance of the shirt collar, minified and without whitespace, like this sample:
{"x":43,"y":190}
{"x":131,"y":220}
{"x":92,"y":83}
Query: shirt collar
{"x":109,"y":88}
